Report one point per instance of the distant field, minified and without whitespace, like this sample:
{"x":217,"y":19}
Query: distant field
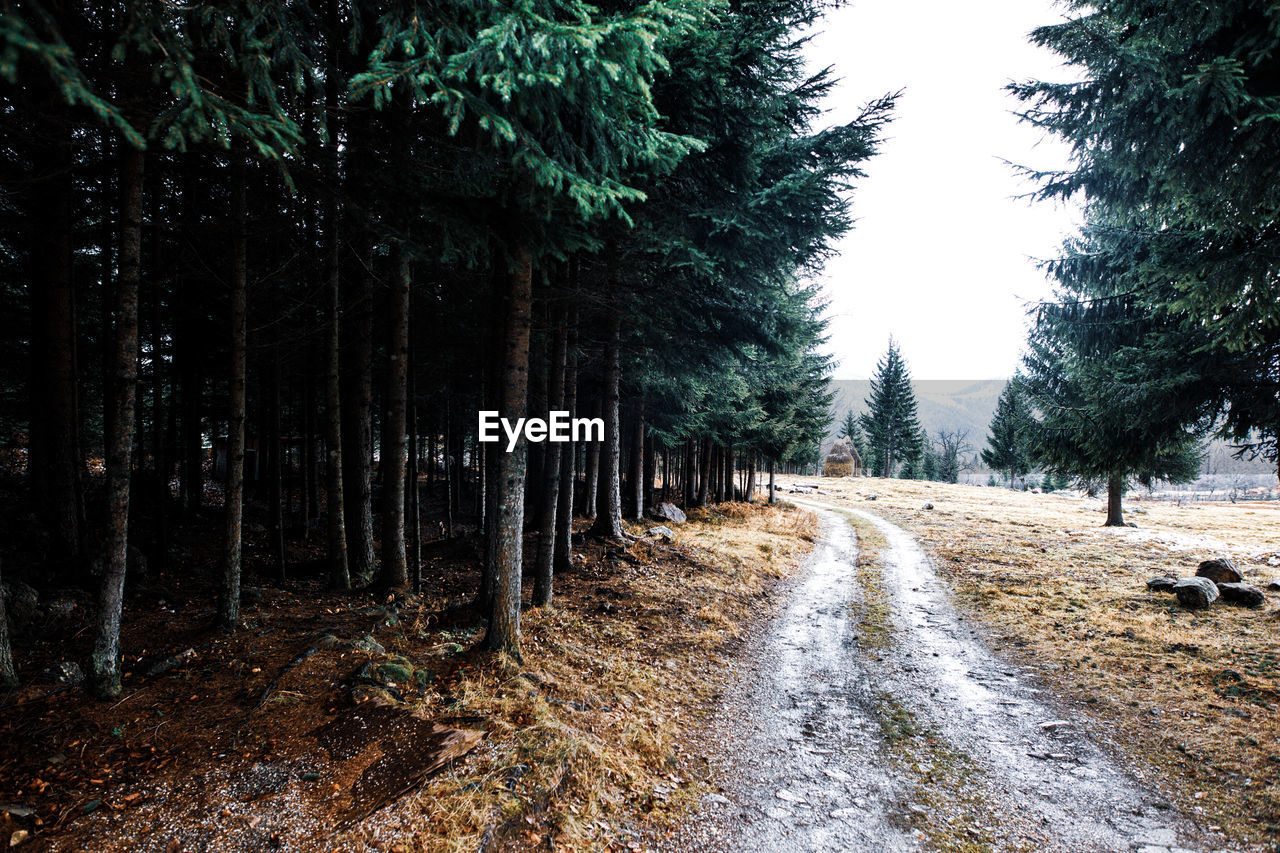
{"x":1192,"y":698}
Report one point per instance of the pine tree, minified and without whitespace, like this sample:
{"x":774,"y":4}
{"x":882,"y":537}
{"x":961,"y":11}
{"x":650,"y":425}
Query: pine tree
{"x":891,"y":425}
{"x":1006,"y":449}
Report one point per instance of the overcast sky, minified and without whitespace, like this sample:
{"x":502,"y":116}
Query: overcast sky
{"x":942,"y":256}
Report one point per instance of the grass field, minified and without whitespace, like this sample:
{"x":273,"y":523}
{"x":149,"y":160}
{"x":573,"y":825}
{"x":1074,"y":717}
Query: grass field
{"x":1191,"y":699}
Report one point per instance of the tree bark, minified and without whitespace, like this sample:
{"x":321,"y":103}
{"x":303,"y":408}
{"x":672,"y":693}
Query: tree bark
{"x":751,"y":478}
{"x":54,"y":463}
{"x":608,"y":522}
{"x":357,"y":433}
{"x":105,"y":661}
{"x":592,"y":482}
{"x":335,"y":527}
{"x":544,"y":563}
{"x":395,"y":570}
{"x":563,"y":556}
{"x":229,"y":601}
{"x":704,"y":472}
{"x":638,"y":467}
{"x":8,"y":672}
{"x":503,"y":634}
{"x":275,"y":472}
{"x":1115,"y":498}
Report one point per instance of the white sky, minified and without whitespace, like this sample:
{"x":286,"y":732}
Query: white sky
{"x":942,"y":255}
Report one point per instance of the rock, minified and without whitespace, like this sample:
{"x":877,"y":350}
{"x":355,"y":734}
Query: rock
{"x":19,"y":836}
{"x":15,"y":810}
{"x":1220,"y":570}
{"x":368,"y":644}
{"x":927,"y":506}
{"x":1242,"y":594}
{"x":165,"y":664}
{"x":668,"y":512}
{"x":22,"y":603}
{"x":62,"y":606}
{"x":1196,"y":593}
{"x":66,"y":672}
{"x":661,"y":532}
{"x":716,"y":799}
{"x":1161,"y":584}
{"x":870,"y":497}
{"x":1274,"y":585}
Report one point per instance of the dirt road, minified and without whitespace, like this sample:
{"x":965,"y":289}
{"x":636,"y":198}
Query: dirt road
{"x":876,"y":720}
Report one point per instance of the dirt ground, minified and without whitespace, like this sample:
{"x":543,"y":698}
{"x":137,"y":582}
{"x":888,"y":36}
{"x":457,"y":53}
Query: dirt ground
{"x":1191,"y":699}
{"x":336,"y":721}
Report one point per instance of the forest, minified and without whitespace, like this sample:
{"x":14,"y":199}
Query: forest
{"x":270,"y":259}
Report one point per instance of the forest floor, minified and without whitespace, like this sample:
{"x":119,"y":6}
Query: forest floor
{"x":1190,"y":700}
{"x":354,"y":722}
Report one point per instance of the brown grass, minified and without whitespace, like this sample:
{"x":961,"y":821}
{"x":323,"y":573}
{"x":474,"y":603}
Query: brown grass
{"x":584,"y":736}
{"x":1193,"y":697}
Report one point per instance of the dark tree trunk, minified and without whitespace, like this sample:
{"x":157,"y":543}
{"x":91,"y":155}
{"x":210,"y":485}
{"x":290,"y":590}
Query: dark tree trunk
{"x":704,"y":472}
{"x":638,"y":467}
{"x":1115,"y":499}
{"x":608,"y":522}
{"x":275,"y":472}
{"x":357,"y":395}
{"x":307,"y":455}
{"x":8,"y":673}
{"x":503,"y":634}
{"x":54,"y":463}
{"x":592,"y":483}
{"x":544,"y":564}
{"x":563,"y":557}
{"x":229,"y":601}
{"x":773,"y":494}
{"x":413,"y":515}
{"x":339,"y":576}
{"x":395,"y":570}
{"x":750,"y":496}
{"x":105,"y":662}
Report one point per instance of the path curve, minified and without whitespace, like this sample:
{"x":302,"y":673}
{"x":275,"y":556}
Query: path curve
{"x":900,"y":739}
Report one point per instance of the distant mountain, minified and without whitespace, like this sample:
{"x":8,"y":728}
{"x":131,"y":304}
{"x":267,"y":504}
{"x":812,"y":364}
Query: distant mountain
{"x":942,"y":404}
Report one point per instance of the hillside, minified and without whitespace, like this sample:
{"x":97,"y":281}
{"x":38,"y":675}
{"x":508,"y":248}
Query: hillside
{"x":943,"y":403}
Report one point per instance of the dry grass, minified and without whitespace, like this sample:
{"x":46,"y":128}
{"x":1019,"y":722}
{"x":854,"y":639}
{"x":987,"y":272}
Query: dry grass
{"x":584,"y":736}
{"x":1193,"y":696}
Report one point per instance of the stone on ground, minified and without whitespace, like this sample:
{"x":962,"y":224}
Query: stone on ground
{"x":1196,"y":593}
{"x":1242,"y":594}
{"x":1220,"y":570}
{"x":1161,"y":584}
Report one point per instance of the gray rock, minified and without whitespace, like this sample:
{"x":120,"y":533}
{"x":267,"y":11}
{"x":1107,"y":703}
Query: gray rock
{"x":22,"y":603}
{"x":1161,"y":584}
{"x":661,"y":532}
{"x":368,"y":644}
{"x":67,"y":672}
{"x":927,"y":506}
{"x":1196,"y":593}
{"x":1220,"y":570}
{"x":870,"y":497}
{"x":63,"y":605}
{"x":1274,"y":584}
{"x":1242,"y":594}
{"x":669,"y":512}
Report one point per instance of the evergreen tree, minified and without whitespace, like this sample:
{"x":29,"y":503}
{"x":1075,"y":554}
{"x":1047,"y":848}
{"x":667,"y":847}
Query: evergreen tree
{"x":1006,"y":449}
{"x":891,"y":425}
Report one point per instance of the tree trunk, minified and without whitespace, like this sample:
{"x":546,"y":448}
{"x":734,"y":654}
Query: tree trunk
{"x":503,"y":634}
{"x":773,"y":494}
{"x":54,"y":464}
{"x":592,"y":482}
{"x":563,"y":557}
{"x":229,"y":601}
{"x":751,"y":477}
{"x":357,"y":395}
{"x":105,"y":661}
{"x":275,"y":472}
{"x":8,"y":673}
{"x":638,"y":467}
{"x":1115,"y":498}
{"x":545,"y":561}
{"x":339,"y":576}
{"x":704,"y":472}
{"x":608,"y":522}
{"x":395,"y":569}
{"x":413,"y":514}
